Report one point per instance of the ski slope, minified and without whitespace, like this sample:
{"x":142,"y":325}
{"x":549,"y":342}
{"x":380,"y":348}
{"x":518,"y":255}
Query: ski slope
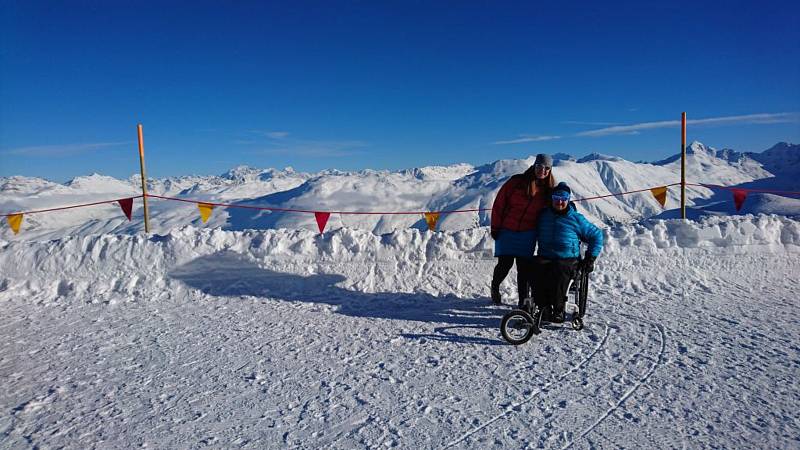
{"x":204,"y":338}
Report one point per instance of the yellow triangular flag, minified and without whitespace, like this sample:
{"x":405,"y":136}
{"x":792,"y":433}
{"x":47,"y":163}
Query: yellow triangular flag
{"x":205,"y":211}
{"x":432,"y":218}
{"x":660,"y":193}
{"x":15,"y":220}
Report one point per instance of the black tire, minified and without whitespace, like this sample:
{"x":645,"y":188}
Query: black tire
{"x":583,"y":292}
{"x":577,"y":324}
{"x":517,"y":327}
{"x":578,"y":283}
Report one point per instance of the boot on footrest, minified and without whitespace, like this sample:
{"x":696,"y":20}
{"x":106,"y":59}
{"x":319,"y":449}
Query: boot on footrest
{"x":558,"y":311}
{"x":558,"y":316}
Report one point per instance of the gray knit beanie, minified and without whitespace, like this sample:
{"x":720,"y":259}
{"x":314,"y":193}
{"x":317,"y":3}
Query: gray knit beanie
{"x":544,"y":159}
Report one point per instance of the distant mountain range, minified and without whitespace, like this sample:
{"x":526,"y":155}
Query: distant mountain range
{"x":433,"y":188}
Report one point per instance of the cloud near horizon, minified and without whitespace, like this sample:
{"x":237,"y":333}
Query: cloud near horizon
{"x":61,"y":150}
{"x":280,"y":143}
{"x":789,"y":117}
{"x":523,"y":139}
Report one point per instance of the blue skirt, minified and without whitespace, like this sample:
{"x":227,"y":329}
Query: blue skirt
{"x":515,"y":243}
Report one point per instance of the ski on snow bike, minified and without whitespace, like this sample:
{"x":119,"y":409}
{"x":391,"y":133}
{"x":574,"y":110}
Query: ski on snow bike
{"x":521,"y":324}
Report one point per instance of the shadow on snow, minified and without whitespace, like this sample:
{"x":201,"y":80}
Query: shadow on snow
{"x":230,"y":274}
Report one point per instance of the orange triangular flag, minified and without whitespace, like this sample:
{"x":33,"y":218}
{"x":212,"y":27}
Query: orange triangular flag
{"x":660,"y":193}
{"x":127,"y":206}
{"x":205,"y":211}
{"x":15,"y":220}
{"x":322,"y":219}
{"x":432,"y":218}
{"x":738,"y":198}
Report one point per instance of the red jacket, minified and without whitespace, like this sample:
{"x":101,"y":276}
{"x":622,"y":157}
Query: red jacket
{"x":514,"y":208}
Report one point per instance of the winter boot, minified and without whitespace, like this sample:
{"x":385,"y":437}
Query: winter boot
{"x":558,"y":311}
{"x":547,"y":313}
{"x":496,"y":298}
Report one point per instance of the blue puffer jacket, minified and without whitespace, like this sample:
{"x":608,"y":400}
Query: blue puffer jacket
{"x":559,"y":236}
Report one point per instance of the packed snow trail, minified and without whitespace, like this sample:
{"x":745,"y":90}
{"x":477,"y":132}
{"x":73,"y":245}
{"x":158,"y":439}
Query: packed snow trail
{"x":280,"y":339}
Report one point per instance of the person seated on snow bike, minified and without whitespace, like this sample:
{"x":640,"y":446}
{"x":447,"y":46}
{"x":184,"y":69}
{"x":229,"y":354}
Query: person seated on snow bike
{"x":560,"y":231}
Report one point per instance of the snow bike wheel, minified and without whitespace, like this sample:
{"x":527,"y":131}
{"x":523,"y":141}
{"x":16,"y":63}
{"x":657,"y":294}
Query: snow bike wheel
{"x":583,"y":293}
{"x":577,"y":324}
{"x":517,"y":327}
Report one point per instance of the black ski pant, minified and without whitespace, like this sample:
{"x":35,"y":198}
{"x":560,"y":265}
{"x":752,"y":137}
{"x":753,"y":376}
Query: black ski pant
{"x":551,"y":279}
{"x":504,"y":264}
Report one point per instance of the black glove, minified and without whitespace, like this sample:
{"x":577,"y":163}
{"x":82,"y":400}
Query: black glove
{"x":587,"y":264}
{"x":495,"y":234}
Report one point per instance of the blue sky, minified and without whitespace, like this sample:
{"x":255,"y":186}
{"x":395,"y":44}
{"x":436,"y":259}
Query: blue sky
{"x":385,"y":85}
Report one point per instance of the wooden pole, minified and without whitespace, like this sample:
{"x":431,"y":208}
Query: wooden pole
{"x":144,"y":180}
{"x":683,"y":165}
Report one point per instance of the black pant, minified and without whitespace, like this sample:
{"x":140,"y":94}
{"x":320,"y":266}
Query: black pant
{"x":551,"y":281}
{"x":504,"y":264}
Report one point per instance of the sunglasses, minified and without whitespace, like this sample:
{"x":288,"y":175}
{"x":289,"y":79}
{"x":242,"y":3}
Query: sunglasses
{"x":561,"y":196}
{"x":540,"y":167}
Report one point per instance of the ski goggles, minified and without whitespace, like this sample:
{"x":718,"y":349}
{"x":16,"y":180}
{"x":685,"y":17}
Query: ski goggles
{"x":561,"y":196}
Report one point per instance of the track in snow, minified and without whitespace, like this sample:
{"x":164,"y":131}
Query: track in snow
{"x":515,"y":406}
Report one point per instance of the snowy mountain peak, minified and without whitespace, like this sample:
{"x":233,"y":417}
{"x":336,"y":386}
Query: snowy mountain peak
{"x":98,"y":183}
{"x":781,"y":158}
{"x":563,"y":157}
{"x":94,"y":178}
{"x":599,"y":157}
{"x":698,"y":148}
{"x":244,"y":173}
{"x":19,"y":185}
{"x":439,"y":173}
{"x":241,"y":173}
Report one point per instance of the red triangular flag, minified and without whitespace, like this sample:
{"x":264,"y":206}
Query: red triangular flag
{"x":322,"y":219}
{"x":738,"y":198}
{"x":127,"y":206}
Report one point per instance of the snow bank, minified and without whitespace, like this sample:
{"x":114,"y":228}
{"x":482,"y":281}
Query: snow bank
{"x":724,"y":234}
{"x":126,"y":267}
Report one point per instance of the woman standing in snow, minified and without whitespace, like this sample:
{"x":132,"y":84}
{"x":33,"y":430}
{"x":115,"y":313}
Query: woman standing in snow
{"x":514,"y":216}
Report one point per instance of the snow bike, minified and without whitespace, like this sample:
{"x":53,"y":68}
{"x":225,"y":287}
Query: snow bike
{"x":520,"y":325}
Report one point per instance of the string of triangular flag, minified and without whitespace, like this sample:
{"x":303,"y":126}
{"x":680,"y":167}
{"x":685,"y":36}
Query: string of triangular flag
{"x":15,"y":220}
{"x":431,"y":218}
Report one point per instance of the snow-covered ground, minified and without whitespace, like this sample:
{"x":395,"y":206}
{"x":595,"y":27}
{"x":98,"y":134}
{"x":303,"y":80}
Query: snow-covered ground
{"x":205,"y":338}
